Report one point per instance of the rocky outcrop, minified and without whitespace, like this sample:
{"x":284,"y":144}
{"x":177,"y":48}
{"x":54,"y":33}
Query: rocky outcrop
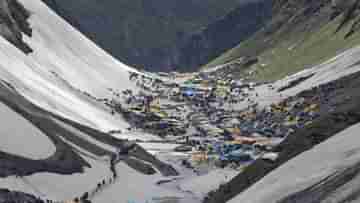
{"x":7,"y":196}
{"x":310,"y":15}
{"x":13,"y":23}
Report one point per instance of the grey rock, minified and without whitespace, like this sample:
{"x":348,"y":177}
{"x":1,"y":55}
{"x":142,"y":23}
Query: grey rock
{"x":13,"y":23}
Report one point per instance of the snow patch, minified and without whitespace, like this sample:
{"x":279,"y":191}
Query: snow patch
{"x":306,"y":169}
{"x":20,"y":137}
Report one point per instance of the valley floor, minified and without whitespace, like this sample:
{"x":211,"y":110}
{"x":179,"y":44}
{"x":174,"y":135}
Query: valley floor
{"x":79,"y":126}
{"x":197,"y":148}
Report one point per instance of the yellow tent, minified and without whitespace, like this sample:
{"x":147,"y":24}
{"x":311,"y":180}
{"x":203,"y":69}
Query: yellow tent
{"x":312,"y":107}
{"x":155,"y":109}
{"x":290,"y":123}
{"x":235,"y":131}
{"x":137,"y":108}
{"x":161,"y":114}
{"x":221,"y":82}
{"x":155,"y":105}
{"x":216,"y":130}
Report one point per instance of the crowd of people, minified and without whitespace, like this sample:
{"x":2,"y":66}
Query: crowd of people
{"x":198,"y":113}
{"x":102,"y":184}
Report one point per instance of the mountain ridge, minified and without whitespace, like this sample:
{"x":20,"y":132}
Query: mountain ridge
{"x":293,"y":39}
{"x":150,"y":35}
{"x":219,"y":36}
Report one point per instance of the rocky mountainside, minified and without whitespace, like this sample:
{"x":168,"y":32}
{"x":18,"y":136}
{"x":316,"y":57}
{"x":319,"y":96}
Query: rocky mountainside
{"x":80,"y":126}
{"x":13,"y":23}
{"x":300,"y":34}
{"x":219,"y":36}
{"x":143,"y":33}
{"x":50,"y":79}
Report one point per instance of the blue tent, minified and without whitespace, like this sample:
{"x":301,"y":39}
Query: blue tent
{"x":189,"y":92}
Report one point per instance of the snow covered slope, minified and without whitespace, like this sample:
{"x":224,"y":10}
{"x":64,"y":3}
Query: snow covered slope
{"x":62,"y":67}
{"x":346,"y":63}
{"x":308,"y":169}
{"x":57,"y":89}
{"x":16,"y":130}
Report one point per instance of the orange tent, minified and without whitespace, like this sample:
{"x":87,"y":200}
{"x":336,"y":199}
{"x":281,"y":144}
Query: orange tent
{"x":249,"y":140}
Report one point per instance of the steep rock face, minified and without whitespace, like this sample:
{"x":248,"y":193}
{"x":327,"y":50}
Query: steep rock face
{"x":292,"y":16}
{"x":13,"y":22}
{"x":138,"y":32}
{"x":220,"y":36}
{"x":153,"y":34}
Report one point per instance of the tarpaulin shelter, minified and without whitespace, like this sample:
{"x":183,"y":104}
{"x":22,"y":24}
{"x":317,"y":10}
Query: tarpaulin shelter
{"x":243,"y":140}
{"x":199,"y":156}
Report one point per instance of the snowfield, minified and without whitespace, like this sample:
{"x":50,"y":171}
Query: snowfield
{"x":339,"y":152}
{"x":62,"y":67}
{"x":135,"y":187}
{"x":156,"y":148}
{"x":59,"y":187}
{"x":202,"y":185}
{"x":337,"y":67}
{"x":67,"y":74}
{"x":20,"y":137}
